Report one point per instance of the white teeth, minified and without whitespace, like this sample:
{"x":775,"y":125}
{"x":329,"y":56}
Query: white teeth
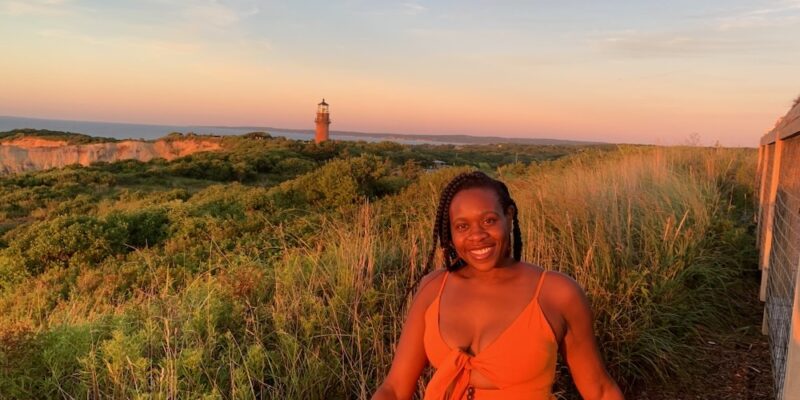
{"x":481,"y":251}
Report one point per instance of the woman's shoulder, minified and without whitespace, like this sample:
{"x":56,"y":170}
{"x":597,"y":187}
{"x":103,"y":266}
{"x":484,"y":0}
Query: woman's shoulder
{"x":562,"y":294}
{"x":429,"y":287}
{"x":431,"y":281}
{"x":557,"y":287}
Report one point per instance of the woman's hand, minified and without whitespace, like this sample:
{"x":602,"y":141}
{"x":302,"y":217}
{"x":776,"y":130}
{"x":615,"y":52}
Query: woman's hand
{"x":409,"y":357}
{"x":579,"y":346}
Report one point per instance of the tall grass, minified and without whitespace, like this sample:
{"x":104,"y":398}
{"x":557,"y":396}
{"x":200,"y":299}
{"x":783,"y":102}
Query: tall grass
{"x":654,"y":236}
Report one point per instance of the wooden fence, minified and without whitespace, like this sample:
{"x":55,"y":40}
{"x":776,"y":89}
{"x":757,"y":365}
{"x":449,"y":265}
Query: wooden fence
{"x":778,"y":187}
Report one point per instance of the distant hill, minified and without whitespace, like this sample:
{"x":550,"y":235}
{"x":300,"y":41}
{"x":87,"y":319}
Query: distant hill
{"x":252,"y":153}
{"x":444,"y":139}
{"x":144,"y":131}
{"x":70,"y":138}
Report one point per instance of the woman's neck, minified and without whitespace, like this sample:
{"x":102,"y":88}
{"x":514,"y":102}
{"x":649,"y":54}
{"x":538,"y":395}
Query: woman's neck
{"x":501,"y":271}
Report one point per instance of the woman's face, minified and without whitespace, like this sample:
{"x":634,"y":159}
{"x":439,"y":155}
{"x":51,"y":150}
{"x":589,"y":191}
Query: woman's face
{"x":479,"y":227}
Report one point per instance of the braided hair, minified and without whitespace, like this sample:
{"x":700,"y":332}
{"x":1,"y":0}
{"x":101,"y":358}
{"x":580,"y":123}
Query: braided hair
{"x":441,"y":227}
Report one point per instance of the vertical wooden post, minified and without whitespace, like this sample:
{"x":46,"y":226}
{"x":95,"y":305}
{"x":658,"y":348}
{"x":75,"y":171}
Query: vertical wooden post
{"x":762,"y":149}
{"x":762,"y":190}
{"x":770,"y":219}
{"x":766,"y":159}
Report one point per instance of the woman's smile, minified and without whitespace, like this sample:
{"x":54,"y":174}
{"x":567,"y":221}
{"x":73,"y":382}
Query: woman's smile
{"x":481,"y":253}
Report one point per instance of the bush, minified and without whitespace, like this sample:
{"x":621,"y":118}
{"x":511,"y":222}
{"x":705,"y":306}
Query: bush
{"x":338,"y":183}
{"x":62,"y":240}
{"x":142,"y":228}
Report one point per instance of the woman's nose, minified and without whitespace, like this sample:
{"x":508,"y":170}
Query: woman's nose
{"x":478,"y":233}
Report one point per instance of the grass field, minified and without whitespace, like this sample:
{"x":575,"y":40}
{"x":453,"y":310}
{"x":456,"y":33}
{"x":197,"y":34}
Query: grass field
{"x":230,"y":291}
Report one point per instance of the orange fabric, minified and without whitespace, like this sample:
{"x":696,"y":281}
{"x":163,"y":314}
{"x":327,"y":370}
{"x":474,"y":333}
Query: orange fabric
{"x":521,"y":362}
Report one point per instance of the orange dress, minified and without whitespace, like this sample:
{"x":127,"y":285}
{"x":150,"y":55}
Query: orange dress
{"x":521,"y":362}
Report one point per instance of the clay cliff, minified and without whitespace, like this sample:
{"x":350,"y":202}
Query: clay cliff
{"x":33,"y":153}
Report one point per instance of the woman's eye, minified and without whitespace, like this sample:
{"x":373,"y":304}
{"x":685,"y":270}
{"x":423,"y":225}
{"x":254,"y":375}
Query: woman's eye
{"x":461,"y":227}
{"x":490,"y":221}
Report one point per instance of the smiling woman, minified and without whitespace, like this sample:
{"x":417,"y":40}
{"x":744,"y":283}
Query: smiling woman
{"x":489,"y":323}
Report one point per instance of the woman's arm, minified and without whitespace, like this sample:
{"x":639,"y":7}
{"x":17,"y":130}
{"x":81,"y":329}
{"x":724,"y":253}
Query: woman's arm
{"x":409,"y":357}
{"x":579,"y":345}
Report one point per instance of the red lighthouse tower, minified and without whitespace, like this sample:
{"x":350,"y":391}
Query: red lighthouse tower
{"x":323,"y":120}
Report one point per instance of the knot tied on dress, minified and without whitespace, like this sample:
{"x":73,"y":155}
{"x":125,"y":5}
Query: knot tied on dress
{"x":452,"y":378}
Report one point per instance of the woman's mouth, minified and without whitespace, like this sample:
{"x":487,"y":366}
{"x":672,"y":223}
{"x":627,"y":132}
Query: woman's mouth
{"x":481,"y":253}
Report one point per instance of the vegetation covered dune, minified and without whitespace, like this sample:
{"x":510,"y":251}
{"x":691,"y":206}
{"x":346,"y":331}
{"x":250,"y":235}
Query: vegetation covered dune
{"x":280,"y":269}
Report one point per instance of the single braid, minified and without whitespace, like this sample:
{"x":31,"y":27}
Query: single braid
{"x":441,"y":228}
{"x":517,"y":235}
{"x":443,"y":221}
{"x":516,"y":232}
{"x":435,"y":241}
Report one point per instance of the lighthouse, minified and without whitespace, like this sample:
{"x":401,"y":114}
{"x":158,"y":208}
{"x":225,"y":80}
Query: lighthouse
{"x":323,"y":120}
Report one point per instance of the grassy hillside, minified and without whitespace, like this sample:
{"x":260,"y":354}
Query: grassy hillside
{"x":68,"y":137}
{"x":278,"y":269}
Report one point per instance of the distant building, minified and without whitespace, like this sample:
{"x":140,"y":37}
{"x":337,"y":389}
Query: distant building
{"x":323,"y":121}
{"x":437,"y":164}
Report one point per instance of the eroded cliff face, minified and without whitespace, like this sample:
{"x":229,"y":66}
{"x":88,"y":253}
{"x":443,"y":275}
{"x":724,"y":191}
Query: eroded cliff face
{"x":31,"y":153}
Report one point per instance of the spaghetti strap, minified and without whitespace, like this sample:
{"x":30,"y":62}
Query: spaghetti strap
{"x":442,"y":285}
{"x":539,"y":285}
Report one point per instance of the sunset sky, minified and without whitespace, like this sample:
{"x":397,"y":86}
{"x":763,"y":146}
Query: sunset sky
{"x":617,"y":71}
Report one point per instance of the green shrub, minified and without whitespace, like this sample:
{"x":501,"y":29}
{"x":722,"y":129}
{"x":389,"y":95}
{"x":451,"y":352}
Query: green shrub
{"x":338,"y":183}
{"x":62,"y":240}
{"x":142,"y":228}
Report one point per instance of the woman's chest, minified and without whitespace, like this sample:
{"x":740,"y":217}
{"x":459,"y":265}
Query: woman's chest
{"x":472,"y":323}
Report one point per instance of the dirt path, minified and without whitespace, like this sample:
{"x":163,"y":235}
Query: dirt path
{"x":731,"y":365}
{"x":736,"y":363}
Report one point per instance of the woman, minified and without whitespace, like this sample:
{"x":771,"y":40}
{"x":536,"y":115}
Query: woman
{"x":491,"y":324}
